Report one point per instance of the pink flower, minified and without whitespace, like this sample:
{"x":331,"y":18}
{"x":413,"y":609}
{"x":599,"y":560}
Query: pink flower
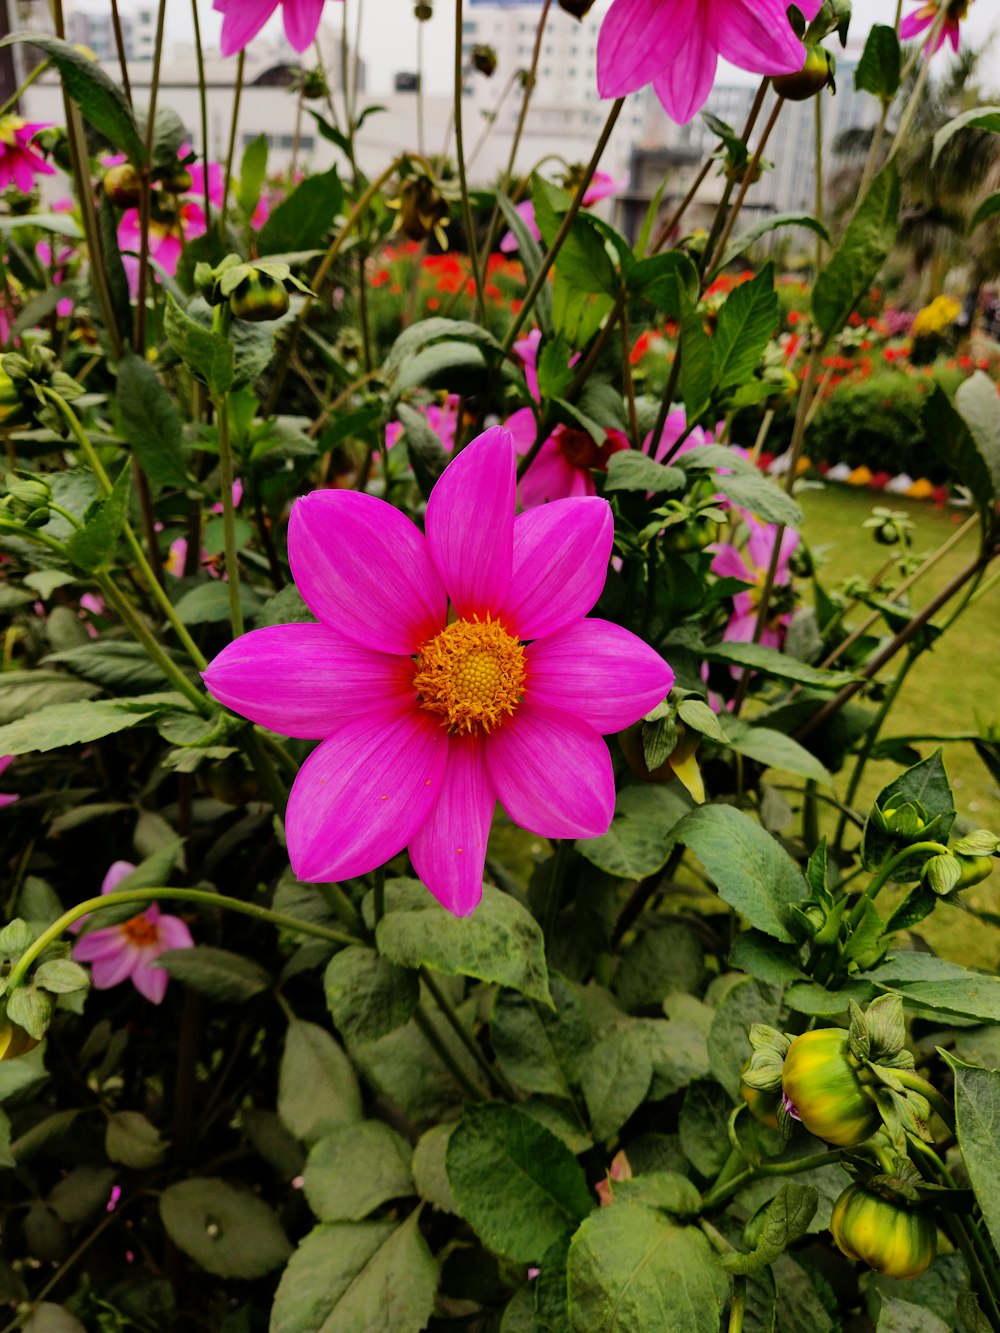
{"x":926,"y":16}
{"x":242,"y":20}
{"x":19,"y":165}
{"x":164,"y":238}
{"x":57,"y":263}
{"x":751,"y":566}
{"x":675,"y":45}
{"x":673,"y":428}
{"x":5,"y":762}
{"x":442,"y":419}
{"x":565,"y":464}
{"x":602,"y":186}
{"x":448,"y":671}
{"x":131,"y":948}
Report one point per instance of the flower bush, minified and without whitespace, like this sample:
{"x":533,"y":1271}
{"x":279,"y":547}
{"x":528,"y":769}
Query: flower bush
{"x":503,"y":929}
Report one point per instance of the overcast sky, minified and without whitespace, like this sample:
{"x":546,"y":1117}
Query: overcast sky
{"x":388,"y":33}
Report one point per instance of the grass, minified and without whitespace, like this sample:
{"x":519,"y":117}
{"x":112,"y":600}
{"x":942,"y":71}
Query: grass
{"x":949,"y":687}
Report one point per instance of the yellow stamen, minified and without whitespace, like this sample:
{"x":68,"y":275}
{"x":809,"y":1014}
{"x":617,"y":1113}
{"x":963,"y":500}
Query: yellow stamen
{"x":472,"y":675}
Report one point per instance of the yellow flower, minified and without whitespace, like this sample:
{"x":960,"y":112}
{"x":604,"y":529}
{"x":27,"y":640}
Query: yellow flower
{"x":936,"y":317}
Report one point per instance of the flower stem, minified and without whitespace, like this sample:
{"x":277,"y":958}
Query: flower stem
{"x":467,"y":219}
{"x":200,"y":897}
{"x":226,"y":480}
{"x":886,"y":873}
{"x":557,"y":882}
{"x":493,"y":1077}
{"x":739,"y":1306}
{"x":203,"y":109}
{"x":145,"y":198}
{"x":231,"y":152}
{"x":720,"y":1194}
{"x":15,"y":97}
{"x":435,"y":1041}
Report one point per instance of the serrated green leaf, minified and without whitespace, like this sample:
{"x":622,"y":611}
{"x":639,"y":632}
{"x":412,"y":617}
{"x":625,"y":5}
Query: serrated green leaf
{"x":630,"y":470}
{"x":302,"y":220}
{"x":226,"y":977}
{"x":541,"y":1050}
{"x":150,"y":421}
{"x":860,"y":255}
{"x":786,"y":1218}
{"x":207,"y":354}
{"x":879,"y":67}
{"x":93,"y":546}
{"x":746,"y":322}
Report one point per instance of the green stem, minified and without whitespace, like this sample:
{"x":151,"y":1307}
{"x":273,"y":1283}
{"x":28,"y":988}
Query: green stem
{"x":146,"y":197}
{"x":915,"y":1083}
{"x":13,"y":100}
{"x":739,"y":1306}
{"x":887,"y":872}
{"x":493,"y":1077}
{"x":203,"y":109}
{"x":434,"y":1040}
{"x":200,"y":897}
{"x":720,"y":1194}
{"x":467,"y":220}
{"x":231,"y":151}
{"x":226,"y":480}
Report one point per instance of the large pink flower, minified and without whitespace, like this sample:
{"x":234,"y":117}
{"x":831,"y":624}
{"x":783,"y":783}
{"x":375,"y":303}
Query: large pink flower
{"x":447,"y":671}
{"x":6,"y":798}
{"x":925,"y":16}
{"x":19,"y":165}
{"x":242,"y":20}
{"x":130,"y":949}
{"x":675,"y":45}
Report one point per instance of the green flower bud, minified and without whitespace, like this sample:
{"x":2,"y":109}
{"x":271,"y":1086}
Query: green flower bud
{"x":811,"y":79}
{"x":822,"y":1085}
{"x":974,"y":870}
{"x":259,"y":297}
{"x":882,"y":1233}
{"x":314,"y":85}
{"x":123,"y":185}
{"x":179,"y":182}
{"x":423,"y":11}
{"x":28,"y":500}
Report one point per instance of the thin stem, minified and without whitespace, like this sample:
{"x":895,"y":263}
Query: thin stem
{"x":199,"y":54}
{"x":145,"y":197}
{"x":437,"y":1044}
{"x":200,"y":897}
{"x":493,"y":1077}
{"x":749,"y":176}
{"x":16,"y":96}
{"x":633,"y":418}
{"x":226,"y":480}
{"x":886,"y":873}
{"x":421,"y":137}
{"x":116,"y":23}
{"x":144,"y":635}
{"x":557,"y":242}
{"x":722,"y":1193}
{"x":820,"y":199}
{"x":470,"y":236}
{"x":231,"y":150}
{"x":739,"y":1306}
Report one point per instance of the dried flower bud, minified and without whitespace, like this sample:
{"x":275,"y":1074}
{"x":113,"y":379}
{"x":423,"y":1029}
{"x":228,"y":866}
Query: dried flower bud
{"x":578,"y":8}
{"x":484,"y":59}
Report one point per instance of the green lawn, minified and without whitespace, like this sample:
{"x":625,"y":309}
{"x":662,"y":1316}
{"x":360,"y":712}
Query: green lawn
{"x":945,"y":691}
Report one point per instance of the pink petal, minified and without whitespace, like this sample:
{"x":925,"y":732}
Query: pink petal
{"x":242,"y":22}
{"x":550,"y":477}
{"x":448,"y":851}
{"x":360,"y":796}
{"x":6,"y":799}
{"x":99,"y":944}
{"x":758,"y":37}
{"x":5,"y":762}
{"x":561,"y":553}
{"x":305,"y":680}
{"x":729,"y":564}
{"x":470,"y":524}
{"x":523,"y":429}
{"x":150,"y":980}
{"x":116,"y":873}
{"x":365,"y":571}
{"x":301,"y":21}
{"x":684,"y":84}
{"x":916,"y":23}
{"x":637,"y":39}
{"x":552,"y":774}
{"x":112,"y":969}
{"x":599,"y":672}
{"x":174,"y":934}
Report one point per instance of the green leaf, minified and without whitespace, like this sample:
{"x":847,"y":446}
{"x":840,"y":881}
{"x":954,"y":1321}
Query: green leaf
{"x":879,"y":67}
{"x":858,"y":259}
{"x":93,"y":546}
{"x":253,"y":171}
{"x":631,"y":1268}
{"x":896,"y":1316}
{"x":668,"y":1190}
{"x":539,"y":1049}
{"x":515,"y":1183}
{"x":100,"y":99}
{"x":26,"y":692}
{"x":744,"y":1004}
{"x":75,"y":723}
{"x":977,"y":1116}
{"x":367,"y":995}
{"x":357,"y":1277}
{"x":209,"y":602}
{"x":751,"y":871}
{"x":302,"y":220}
{"x":979,"y":118}
{"x":666,"y":956}
{"x":762,"y":497}
{"x":926,"y":783}
{"x":62,"y":224}
{"x":444,"y":364}
{"x":427,"y":455}
{"x":583,"y":262}
{"x":630,"y":470}
{"x":430,"y":1173}
{"x":226,"y":1231}
{"x":530,"y":254}
{"x":697,"y":360}
{"x":500,"y":943}
{"x":354,"y":1170}
{"x":46,"y":1317}
{"x":780,"y":665}
{"x":641,"y":833}
{"x":944,"y":423}
{"x":208,"y":355}
{"x":131,"y":1139}
{"x":61,"y":976}
{"x":786,"y":1218}
{"x":976,"y":401}
{"x":989,"y":208}
{"x":746,"y":321}
{"x":774,"y":749}
{"x":317,"y":1087}
{"x":616,"y":1077}
{"x":753,"y":234}
{"x":937,"y":984}
{"x":759,"y":955}
{"x":150,"y":422}
{"x":32,"y":1008}
{"x":284,"y":608}
{"x":662,"y":278}
{"x":220,"y":974}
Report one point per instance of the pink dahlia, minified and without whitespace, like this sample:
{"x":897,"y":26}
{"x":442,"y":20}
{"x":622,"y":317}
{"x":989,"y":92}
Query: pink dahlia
{"x":448,"y":671}
{"x":751,"y":565}
{"x":565,"y":464}
{"x":441,"y":417}
{"x":675,"y":45}
{"x":19,"y":164}
{"x":6,"y":799}
{"x":926,"y":15}
{"x":130,"y":949}
{"x":242,"y":20}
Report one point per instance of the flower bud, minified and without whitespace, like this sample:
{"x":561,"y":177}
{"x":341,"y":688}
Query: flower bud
{"x":259,"y":297}
{"x":484,"y":59}
{"x":883,"y":1233}
{"x":823,"y":1087}
{"x":28,"y":500}
{"x":423,"y":11}
{"x":763,"y":1105}
{"x":811,"y":79}
{"x":578,"y":8}
{"x":974,"y":870}
{"x":123,"y":185}
{"x":53,"y":142}
{"x":14,"y":1041}
{"x":179,"y":182}
{"x":421,"y":209}
{"x":314,"y":85}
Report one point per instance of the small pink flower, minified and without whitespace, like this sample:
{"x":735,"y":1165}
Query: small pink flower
{"x":19,"y":164}
{"x":164,"y":238}
{"x":565,"y":464}
{"x":242,"y":20}
{"x":675,"y":45}
{"x":602,"y":186}
{"x":5,"y":761}
{"x":130,"y":949}
{"x":926,"y":16}
{"x":447,"y":671}
{"x":442,"y":419}
{"x":57,"y":263}
{"x":751,"y":566}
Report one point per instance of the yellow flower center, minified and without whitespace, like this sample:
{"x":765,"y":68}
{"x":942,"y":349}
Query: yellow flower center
{"x":471,"y":674}
{"x":9,"y":126}
{"x":141,"y":932}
